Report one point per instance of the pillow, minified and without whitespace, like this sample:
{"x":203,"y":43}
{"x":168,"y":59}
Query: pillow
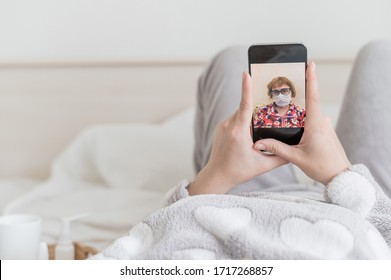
{"x":135,"y":155}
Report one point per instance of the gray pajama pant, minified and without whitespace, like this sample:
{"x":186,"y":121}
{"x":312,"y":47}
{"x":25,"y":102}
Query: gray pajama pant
{"x":364,"y":125}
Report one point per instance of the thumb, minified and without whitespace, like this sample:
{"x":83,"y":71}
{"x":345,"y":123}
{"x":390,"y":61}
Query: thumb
{"x":282,"y":150}
{"x":246,"y":108}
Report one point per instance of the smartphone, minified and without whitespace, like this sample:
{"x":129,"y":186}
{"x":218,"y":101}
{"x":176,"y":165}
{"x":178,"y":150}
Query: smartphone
{"x":279,"y":86}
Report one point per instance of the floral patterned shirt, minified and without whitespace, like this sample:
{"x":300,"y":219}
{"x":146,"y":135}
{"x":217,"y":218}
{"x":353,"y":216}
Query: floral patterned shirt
{"x":267,"y":116}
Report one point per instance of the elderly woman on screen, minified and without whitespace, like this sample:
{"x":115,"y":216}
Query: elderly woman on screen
{"x":282,"y":112}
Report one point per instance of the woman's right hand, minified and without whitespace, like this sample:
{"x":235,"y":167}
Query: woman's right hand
{"x":319,"y":154}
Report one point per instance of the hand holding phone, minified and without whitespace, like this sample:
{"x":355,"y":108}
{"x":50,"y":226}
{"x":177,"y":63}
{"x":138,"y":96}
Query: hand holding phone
{"x":320,"y":154}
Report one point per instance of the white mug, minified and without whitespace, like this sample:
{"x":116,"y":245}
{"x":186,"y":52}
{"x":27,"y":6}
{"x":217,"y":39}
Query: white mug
{"x":20,"y":237}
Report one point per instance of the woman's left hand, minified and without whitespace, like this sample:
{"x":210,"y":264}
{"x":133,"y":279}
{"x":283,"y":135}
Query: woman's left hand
{"x":234,"y":160}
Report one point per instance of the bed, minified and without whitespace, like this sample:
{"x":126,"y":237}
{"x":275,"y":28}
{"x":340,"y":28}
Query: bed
{"x":107,"y":139}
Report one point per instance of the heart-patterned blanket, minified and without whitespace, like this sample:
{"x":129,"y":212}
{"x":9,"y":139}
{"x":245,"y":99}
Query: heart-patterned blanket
{"x":264,"y":226}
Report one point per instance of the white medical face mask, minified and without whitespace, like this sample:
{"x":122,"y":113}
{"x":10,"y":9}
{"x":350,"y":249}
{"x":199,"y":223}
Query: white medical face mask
{"x":282,"y":100}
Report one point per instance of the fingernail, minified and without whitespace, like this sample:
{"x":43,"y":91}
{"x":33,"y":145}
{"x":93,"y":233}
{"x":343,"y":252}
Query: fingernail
{"x":244,"y":76}
{"x":313,"y":65}
{"x":260,"y":146}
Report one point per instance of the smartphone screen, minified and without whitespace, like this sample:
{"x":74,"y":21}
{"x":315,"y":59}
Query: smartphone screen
{"x":278,"y":73}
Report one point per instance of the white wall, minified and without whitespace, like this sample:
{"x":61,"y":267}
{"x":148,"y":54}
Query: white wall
{"x":116,"y":30}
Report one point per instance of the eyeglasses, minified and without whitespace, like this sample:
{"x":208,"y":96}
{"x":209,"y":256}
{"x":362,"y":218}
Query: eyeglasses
{"x":284,"y":91}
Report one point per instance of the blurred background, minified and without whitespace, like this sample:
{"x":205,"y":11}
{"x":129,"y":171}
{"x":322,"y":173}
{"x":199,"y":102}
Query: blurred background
{"x":69,"y":64}
{"x":174,"y":30}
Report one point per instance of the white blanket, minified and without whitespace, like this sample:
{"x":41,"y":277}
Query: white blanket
{"x":118,"y":173}
{"x":351,"y":222}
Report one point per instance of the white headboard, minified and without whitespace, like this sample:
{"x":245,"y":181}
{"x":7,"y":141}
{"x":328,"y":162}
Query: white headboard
{"x":43,"y":106}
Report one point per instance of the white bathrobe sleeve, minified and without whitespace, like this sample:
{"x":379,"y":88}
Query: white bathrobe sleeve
{"x":358,"y":191}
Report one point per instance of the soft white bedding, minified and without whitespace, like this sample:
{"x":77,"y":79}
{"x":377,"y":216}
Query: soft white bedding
{"x":117,"y":173}
{"x":11,"y":189}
